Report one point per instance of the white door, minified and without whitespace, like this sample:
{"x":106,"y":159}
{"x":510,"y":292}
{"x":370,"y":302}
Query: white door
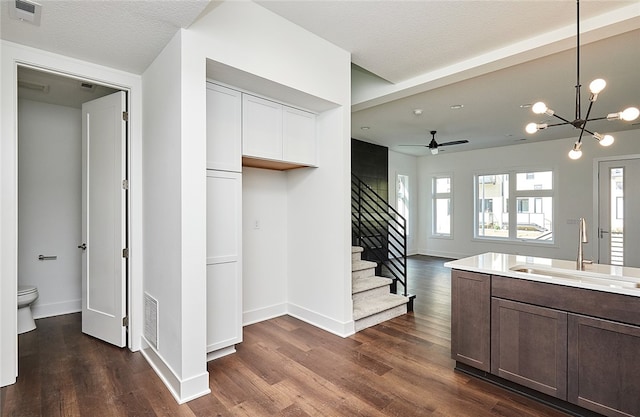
{"x":618,"y":212}
{"x":104,"y":218}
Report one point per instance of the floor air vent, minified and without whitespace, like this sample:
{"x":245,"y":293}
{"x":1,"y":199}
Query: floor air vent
{"x":151,"y":320}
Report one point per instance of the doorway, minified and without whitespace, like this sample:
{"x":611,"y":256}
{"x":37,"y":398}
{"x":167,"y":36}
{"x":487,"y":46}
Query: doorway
{"x":52,"y":239}
{"x":618,"y":214}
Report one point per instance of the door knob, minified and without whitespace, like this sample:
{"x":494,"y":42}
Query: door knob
{"x":83,"y":246}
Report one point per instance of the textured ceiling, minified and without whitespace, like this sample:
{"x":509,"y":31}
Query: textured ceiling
{"x":126,"y":35}
{"x":491,"y":56}
{"x":399,"y":40}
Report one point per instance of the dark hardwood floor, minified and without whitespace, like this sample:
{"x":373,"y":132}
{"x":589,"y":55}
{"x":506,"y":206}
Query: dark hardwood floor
{"x":284,"y":367}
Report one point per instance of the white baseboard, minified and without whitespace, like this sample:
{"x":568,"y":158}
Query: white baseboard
{"x":40,"y":311}
{"x":183,"y":390}
{"x":262,"y":314}
{"x":342,"y":329}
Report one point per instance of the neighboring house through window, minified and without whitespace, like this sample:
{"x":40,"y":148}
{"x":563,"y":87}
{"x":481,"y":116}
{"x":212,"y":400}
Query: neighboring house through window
{"x":530,"y":218}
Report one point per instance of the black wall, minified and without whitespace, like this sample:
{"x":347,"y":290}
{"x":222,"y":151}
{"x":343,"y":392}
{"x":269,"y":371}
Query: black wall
{"x":370,"y":163}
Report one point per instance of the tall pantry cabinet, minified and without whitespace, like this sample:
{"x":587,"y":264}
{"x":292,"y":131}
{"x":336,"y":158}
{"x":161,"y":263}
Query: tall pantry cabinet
{"x":224,"y":220}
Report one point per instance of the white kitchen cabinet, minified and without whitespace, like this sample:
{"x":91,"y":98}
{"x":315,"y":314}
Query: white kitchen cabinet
{"x":275,"y":132}
{"x":224,"y":262}
{"x":261,"y":128}
{"x":299,"y":136}
{"x":224,"y":128}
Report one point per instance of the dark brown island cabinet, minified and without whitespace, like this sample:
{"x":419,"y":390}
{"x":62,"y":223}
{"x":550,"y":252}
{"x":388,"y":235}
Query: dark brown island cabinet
{"x":574,"y":348}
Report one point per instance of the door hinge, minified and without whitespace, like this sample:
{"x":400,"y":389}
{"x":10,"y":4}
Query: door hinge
{"x":125,"y":116}
{"x":125,"y":321}
{"x":125,"y":252}
{"x":125,"y":184}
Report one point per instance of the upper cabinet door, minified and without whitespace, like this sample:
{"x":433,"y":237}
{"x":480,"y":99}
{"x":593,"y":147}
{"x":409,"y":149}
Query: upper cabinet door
{"x":299,"y":136}
{"x":262,"y":128}
{"x":224,"y":128}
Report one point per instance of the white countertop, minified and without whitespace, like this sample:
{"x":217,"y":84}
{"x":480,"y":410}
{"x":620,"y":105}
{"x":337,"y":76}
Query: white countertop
{"x":608,"y":278}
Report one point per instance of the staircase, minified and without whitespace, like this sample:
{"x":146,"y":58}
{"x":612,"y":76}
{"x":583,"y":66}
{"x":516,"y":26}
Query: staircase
{"x":373,"y":302}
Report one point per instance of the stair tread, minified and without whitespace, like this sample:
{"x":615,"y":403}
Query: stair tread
{"x":356,"y":249}
{"x":368,"y":283}
{"x":376,"y":305}
{"x":361,"y":265}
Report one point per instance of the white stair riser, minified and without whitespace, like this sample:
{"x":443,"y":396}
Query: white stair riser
{"x":380,"y":317}
{"x":372,"y":293}
{"x":356,"y":256}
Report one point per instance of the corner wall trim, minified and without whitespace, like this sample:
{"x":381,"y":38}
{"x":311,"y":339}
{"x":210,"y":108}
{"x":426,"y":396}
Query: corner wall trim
{"x":342,"y":329}
{"x":182,"y":390}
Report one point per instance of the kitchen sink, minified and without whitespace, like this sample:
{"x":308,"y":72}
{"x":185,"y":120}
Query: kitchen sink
{"x":578,"y":276}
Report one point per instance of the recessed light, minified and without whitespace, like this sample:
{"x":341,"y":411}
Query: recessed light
{"x":365,"y":128}
{"x":457,"y":106}
{"x":417,"y":112}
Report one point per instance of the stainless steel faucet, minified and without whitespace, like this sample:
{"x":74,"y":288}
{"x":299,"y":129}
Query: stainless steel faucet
{"x":582,"y":239}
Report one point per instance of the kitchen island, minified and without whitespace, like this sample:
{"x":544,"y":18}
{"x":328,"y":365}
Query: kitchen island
{"x":568,"y":337}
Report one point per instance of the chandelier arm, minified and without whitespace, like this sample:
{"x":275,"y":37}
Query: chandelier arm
{"x":584,"y":123}
{"x":596,"y":118}
{"x":563,"y":119}
{"x":559,"y":124}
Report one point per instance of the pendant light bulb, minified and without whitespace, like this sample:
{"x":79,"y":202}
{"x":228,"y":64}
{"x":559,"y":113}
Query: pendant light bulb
{"x":576,"y":152}
{"x":531,"y":128}
{"x":539,"y":108}
{"x":597,"y":85}
{"x":630,"y":114}
{"x":604,"y":140}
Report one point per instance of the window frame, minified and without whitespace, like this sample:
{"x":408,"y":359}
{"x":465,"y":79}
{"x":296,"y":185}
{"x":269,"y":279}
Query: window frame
{"x":434,"y":198}
{"x":512,"y":204}
{"x":407,"y":201}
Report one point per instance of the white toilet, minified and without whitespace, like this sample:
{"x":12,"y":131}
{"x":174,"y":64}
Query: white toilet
{"x":27,"y":294}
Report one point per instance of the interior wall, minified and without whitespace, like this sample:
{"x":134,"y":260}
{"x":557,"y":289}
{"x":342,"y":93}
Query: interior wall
{"x":49,"y":205}
{"x":402,"y":164}
{"x":370,"y":163}
{"x":574,"y":193}
{"x":175,"y":224}
{"x":264,"y":243}
{"x":281,"y":59}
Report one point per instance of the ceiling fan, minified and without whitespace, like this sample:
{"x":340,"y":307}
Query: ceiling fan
{"x":433,"y":145}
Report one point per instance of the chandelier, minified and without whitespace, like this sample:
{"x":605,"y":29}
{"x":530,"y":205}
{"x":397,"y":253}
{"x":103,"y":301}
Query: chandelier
{"x":580,"y":123}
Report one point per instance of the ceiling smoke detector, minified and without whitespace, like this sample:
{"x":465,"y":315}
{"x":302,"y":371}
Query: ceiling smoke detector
{"x":26,"y":11}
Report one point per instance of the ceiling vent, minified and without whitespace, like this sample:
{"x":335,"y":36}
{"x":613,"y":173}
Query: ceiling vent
{"x":25,"y":10}
{"x":87,"y":86}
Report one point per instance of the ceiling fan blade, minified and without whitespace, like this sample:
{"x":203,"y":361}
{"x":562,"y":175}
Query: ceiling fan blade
{"x":454,"y":142}
{"x":425,"y":146}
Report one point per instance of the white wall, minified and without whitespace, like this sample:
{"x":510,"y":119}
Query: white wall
{"x":13,"y":55}
{"x":271,"y":56}
{"x":49,"y":205}
{"x":406,"y":165}
{"x":175,"y":225}
{"x":264,"y":266}
{"x":574,"y":198}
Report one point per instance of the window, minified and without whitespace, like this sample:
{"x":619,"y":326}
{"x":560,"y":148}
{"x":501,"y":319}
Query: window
{"x":402,"y":182}
{"x":441,"y":206}
{"x":530,"y":217}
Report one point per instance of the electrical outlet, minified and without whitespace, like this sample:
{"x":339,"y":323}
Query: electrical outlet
{"x":256,"y":224}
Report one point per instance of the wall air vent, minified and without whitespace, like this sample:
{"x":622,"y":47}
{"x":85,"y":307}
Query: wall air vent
{"x":26,"y":11}
{"x":150,"y":331}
